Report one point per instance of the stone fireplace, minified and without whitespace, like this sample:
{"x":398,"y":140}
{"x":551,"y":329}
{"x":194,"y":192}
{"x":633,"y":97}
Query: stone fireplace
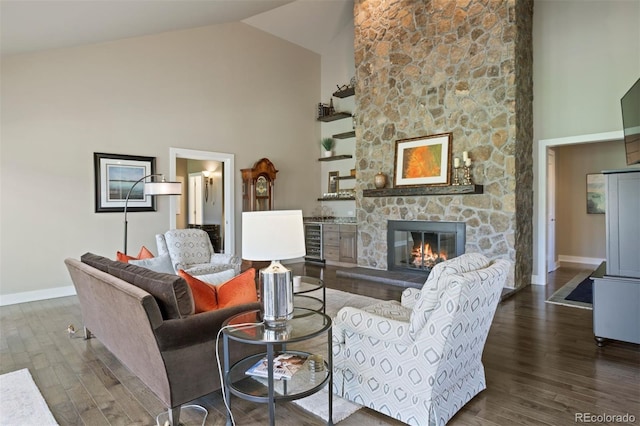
{"x":447,"y":66}
{"x":418,"y":246}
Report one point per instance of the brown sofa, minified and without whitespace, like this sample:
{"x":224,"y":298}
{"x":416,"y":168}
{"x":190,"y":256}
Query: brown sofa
{"x":146,"y":319}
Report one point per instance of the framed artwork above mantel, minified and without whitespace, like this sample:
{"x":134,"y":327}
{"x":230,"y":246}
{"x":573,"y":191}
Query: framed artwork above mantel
{"x":424,"y":160}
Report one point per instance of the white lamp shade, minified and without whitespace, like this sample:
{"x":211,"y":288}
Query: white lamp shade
{"x":272,"y":235}
{"x":163,"y":188}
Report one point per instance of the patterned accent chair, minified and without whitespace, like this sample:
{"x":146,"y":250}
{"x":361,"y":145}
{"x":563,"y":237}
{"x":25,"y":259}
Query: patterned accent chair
{"x":419,"y":360}
{"x":192,"y":251}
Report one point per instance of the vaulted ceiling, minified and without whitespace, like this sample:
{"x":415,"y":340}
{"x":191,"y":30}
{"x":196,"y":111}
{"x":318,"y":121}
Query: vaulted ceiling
{"x":28,"y":26}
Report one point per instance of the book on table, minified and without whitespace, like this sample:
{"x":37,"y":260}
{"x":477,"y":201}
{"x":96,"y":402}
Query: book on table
{"x":285,"y":365}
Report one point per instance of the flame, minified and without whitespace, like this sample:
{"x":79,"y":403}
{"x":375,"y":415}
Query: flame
{"x":430,"y":258}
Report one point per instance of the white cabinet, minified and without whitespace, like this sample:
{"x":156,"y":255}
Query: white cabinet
{"x":616,"y":288}
{"x":623,"y":223}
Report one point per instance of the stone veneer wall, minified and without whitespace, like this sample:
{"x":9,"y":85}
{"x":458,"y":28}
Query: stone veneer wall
{"x":459,"y":66}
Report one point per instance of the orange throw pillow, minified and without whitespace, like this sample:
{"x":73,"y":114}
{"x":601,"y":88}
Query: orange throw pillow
{"x":123,"y":257}
{"x":204,"y":295}
{"x":238,"y":290}
{"x":144,"y":253}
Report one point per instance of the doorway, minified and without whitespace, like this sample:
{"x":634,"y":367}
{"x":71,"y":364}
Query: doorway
{"x":541,"y":255}
{"x":227,"y":228}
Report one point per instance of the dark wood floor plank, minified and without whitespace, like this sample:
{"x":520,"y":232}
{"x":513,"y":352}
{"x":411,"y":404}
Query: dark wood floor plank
{"x":541,"y":364}
{"x":66,"y":414}
{"x":86,"y":406}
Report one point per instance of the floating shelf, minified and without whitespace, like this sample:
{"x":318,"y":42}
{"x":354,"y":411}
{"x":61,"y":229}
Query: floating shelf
{"x":335,"y":157}
{"x":345,"y":135}
{"x":424,"y":190}
{"x":345,"y":93}
{"x":337,"y":199}
{"x":345,"y":177}
{"x":334,"y":117}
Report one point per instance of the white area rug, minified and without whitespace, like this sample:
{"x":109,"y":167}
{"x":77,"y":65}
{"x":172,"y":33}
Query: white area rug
{"x":317,"y":403}
{"x":558,"y":298}
{"x":21,"y":402}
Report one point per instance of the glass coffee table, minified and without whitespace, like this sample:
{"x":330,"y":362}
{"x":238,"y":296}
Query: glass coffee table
{"x":305,"y":324}
{"x":303,"y":297}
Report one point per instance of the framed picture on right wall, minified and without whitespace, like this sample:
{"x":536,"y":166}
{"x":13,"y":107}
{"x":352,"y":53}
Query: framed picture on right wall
{"x":595,"y":193}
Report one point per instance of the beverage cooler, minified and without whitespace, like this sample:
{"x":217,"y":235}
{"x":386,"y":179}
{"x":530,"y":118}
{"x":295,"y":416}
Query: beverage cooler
{"x":313,"y":242}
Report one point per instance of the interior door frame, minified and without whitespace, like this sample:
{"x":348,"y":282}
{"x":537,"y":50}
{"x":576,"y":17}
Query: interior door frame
{"x":552,"y":261}
{"x":541,"y":222}
{"x":229,"y":194}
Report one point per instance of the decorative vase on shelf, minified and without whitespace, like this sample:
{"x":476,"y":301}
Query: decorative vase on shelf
{"x":380,"y":180}
{"x":328,"y":153}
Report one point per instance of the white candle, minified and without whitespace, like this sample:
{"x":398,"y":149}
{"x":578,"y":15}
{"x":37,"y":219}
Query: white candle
{"x":456,"y":162}
{"x":297,"y":281}
{"x":465,"y":156}
{"x":467,"y":162}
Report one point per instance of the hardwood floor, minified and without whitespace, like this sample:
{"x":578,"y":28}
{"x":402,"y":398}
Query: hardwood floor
{"x":541,"y":363}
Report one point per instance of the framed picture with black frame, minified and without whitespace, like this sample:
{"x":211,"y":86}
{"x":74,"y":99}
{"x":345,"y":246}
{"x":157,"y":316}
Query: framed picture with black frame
{"x":115,"y":174}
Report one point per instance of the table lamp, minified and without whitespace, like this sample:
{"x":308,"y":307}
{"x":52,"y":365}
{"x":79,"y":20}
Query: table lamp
{"x":274,"y":235}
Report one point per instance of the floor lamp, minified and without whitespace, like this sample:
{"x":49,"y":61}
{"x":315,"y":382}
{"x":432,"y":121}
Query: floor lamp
{"x":274,"y":235}
{"x":151,"y":188}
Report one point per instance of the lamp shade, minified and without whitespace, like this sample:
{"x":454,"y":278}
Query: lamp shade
{"x":163,"y":188}
{"x":272,"y":235}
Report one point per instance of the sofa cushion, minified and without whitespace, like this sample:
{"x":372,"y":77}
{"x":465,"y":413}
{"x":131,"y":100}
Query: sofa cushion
{"x":170,"y":291}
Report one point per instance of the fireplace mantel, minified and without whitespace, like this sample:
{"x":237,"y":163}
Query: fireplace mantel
{"x":424,"y":190}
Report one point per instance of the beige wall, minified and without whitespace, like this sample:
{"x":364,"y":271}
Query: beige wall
{"x":586,"y":56}
{"x":579,"y":234}
{"x":227,"y":88}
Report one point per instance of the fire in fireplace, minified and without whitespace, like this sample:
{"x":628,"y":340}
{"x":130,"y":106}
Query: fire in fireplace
{"x":417,"y":245}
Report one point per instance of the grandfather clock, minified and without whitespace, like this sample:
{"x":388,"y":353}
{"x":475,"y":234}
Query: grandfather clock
{"x":257,"y":186}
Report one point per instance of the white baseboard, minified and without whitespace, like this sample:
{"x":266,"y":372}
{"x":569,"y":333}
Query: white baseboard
{"x":578,"y":259}
{"x":32,"y":296}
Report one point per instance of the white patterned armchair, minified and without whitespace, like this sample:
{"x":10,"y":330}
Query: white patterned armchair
{"x":192,"y":251}
{"x":419,"y":360}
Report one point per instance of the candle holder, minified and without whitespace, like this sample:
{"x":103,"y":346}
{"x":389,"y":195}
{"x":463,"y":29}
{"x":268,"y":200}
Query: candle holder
{"x":456,"y":178}
{"x":467,"y":175}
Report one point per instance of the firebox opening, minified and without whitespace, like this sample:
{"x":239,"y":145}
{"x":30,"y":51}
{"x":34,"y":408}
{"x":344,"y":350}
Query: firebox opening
{"x":420,"y":245}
